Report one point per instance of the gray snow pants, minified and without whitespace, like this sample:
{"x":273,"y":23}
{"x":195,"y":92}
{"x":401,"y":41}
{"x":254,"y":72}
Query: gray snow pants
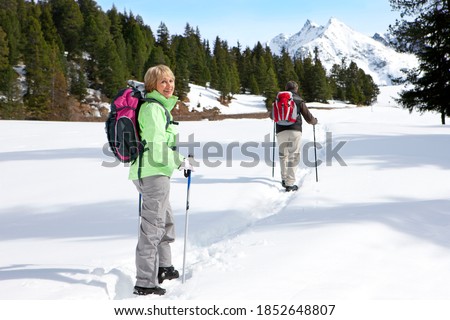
{"x":156,"y":230}
{"x":289,"y":149}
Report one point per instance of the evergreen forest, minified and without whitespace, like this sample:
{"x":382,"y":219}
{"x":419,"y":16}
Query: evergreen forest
{"x":52,"y":51}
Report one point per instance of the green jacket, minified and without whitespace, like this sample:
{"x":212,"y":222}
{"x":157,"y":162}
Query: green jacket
{"x":158,"y":157}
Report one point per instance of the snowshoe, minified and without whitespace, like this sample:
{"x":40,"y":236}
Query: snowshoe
{"x":141,"y":291}
{"x":291,"y":188}
{"x":167,"y":273}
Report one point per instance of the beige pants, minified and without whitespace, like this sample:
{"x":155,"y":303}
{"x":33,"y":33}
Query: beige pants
{"x":289,"y":152}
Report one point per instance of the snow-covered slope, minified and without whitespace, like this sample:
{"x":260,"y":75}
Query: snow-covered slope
{"x":371,"y":234}
{"x":201,"y":98}
{"x":336,"y":41}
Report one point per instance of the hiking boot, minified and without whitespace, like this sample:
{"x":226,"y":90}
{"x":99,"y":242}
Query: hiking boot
{"x":291,"y":188}
{"x":283,"y":183}
{"x":141,"y":291}
{"x":167,"y":273}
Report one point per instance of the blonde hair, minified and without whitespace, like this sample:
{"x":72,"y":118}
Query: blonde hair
{"x":154,"y":74}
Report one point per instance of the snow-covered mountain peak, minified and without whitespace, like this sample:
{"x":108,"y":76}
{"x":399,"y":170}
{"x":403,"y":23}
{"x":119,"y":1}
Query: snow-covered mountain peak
{"x":309,"y":25}
{"x":337,"y":41}
{"x":310,"y":30}
{"x":336,"y":23}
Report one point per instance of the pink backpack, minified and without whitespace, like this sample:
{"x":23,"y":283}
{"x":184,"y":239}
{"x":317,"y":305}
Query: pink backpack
{"x":122,"y":127}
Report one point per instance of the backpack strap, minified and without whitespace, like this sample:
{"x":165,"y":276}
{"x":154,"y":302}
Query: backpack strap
{"x":168,"y":122}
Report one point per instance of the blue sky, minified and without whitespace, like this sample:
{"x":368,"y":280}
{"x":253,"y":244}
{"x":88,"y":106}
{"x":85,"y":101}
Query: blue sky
{"x":250,"y":21}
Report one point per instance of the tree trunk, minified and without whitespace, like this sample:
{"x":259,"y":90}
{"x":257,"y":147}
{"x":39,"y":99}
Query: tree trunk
{"x":443,"y":117}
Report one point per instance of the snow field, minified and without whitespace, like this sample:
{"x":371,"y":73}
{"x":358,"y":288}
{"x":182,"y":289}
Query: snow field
{"x":374,"y":228}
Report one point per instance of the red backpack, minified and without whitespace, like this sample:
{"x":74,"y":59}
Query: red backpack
{"x":284,"y":109}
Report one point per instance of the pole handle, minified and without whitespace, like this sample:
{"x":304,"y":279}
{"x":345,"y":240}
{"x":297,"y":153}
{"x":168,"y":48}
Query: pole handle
{"x":187,"y":173}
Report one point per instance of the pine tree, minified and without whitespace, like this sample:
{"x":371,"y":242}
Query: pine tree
{"x":48,"y":26}
{"x":58,"y":86}
{"x":260,"y":68}
{"x":239,"y":59}
{"x":136,"y":48}
{"x":338,"y":80}
{"x":4,"y":59}
{"x":156,"y":57}
{"x":354,"y":92}
{"x":10,"y":23}
{"x":352,"y":84}
{"x":196,"y":57}
{"x":38,"y":65}
{"x":181,"y":69}
{"x":271,"y":88}
{"x":370,"y":89}
{"x":4,"y":68}
{"x":214,"y":70}
{"x":285,"y":70}
{"x":107,"y":65}
{"x":320,"y":89}
{"x":253,"y":85}
{"x":163,"y":37}
{"x":246,"y":71}
{"x":307,"y":85}
{"x":222,"y":62}
{"x":182,"y":80}
{"x":268,"y":57}
{"x":78,"y":82}
{"x":163,"y":41}
{"x":149,"y":38}
{"x":10,"y":106}
{"x":300,"y":72}
{"x":58,"y":83}
{"x":69,"y":23}
{"x":116,"y":31}
{"x":111,"y":71}
{"x":97,"y":35}
{"x":428,"y":37}
{"x":235,"y":83}
{"x":207,"y":72}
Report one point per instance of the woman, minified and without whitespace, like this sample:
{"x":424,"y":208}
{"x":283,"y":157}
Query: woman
{"x":151,"y":175}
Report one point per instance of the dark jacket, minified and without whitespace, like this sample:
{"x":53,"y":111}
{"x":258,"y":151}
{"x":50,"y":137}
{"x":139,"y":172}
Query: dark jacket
{"x":303,"y":110}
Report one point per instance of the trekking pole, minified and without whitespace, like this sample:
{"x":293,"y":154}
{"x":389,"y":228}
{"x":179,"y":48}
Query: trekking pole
{"x":273,"y":150}
{"x":187,"y":174}
{"x":315,"y":151}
